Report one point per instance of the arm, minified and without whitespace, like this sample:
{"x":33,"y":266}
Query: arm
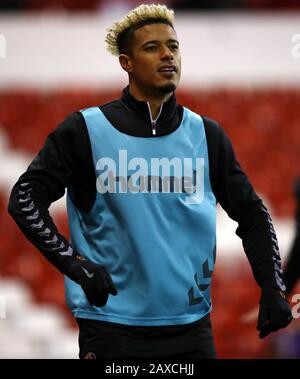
{"x":237,"y":197}
{"x":64,"y":161}
{"x":292,"y":268}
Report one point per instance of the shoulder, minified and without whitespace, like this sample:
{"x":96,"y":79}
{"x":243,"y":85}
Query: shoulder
{"x":113,"y":109}
{"x":70,"y":132}
{"x":212,"y":128}
{"x":111,"y":104}
{"x":71,"y":123}
{"x":110,"y":108}
{"x":218,"y":143}
{"x":208,"y":122}
{"x":211,"y":124}
{"x":215,"y":134}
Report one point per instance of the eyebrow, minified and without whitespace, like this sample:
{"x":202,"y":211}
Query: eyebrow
{"x":157,"y":42}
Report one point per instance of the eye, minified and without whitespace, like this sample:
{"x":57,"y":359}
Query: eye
{"x":150,"y":48}
{"x":173,"y":47}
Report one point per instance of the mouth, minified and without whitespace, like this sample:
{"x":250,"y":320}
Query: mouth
{"x":168,"y":69}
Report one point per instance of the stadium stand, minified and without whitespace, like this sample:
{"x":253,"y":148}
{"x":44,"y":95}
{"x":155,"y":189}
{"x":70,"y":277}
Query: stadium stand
{"x":34,"y":329}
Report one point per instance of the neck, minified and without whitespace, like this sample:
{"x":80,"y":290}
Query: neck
{"x":154,"y":100}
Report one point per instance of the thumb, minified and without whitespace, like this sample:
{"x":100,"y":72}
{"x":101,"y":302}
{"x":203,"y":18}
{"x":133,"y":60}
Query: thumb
{"x":111,"y":287}
{"x":264,"y":333}
{"x":113,"y":290}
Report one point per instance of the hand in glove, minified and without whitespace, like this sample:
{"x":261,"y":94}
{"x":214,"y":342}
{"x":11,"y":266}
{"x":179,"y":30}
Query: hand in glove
{"x":95,"y":281}
{"x":274,"y":312}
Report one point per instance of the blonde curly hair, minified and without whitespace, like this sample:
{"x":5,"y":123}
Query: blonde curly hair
{"x":136,"y":17}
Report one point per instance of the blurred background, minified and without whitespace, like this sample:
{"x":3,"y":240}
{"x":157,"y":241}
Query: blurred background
{"x":241,"y":66}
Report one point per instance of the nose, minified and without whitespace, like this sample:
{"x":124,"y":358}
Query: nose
{"x":166,"y":53}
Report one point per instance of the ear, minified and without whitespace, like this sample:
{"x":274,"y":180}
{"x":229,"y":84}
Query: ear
{"x":125,"y":62}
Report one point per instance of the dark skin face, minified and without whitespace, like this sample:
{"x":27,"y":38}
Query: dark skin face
{"x":153,"y":64}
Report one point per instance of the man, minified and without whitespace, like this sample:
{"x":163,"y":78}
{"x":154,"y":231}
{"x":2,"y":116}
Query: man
{"x":143,"y":176}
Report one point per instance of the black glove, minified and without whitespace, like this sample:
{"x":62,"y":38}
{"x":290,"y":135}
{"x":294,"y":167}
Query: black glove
{"x":94,"y":280}
{"x":274,"y":312}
